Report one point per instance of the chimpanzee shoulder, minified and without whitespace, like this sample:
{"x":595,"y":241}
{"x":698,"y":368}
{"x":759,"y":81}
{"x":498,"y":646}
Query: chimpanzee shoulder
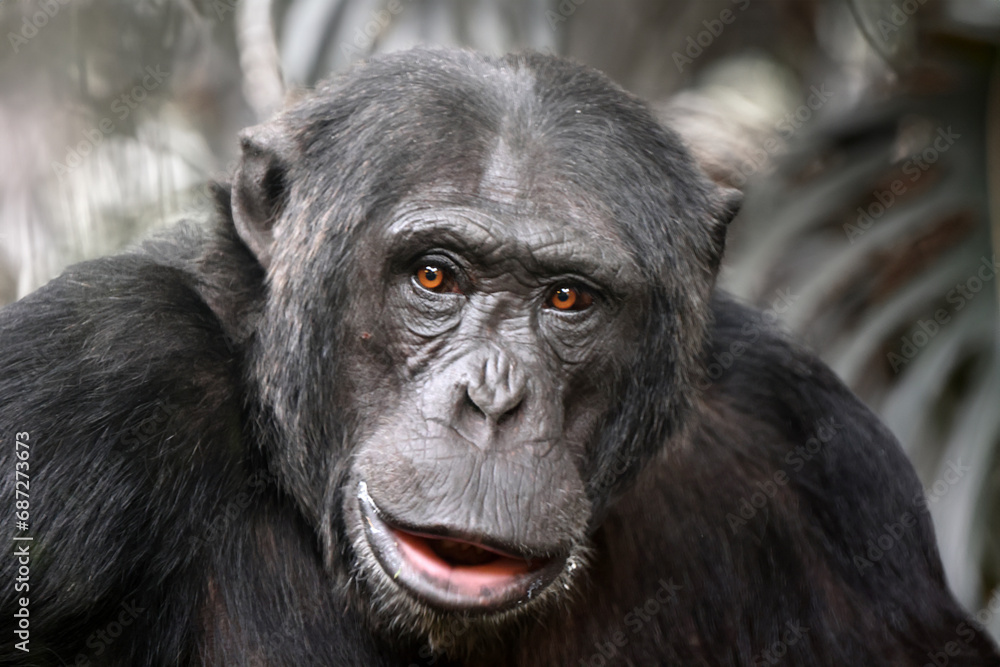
{"x":809,"y":491}
{"x":119,"y":373}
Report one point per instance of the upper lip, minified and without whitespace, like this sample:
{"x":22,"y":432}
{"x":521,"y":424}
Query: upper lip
{"x":410,"y":556}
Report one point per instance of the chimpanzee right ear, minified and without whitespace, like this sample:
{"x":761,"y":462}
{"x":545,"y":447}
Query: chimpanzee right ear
{"x":725,"y":205}
{"x":260,"y":187}
{"x":730,"y":202}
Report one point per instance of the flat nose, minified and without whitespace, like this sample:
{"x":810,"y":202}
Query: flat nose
{"x":497,"y":387}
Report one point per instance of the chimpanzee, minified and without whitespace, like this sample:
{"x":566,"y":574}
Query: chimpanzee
{"x":445,"y":380}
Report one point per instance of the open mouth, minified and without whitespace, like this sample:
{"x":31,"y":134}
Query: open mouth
{"x":452,"y":573}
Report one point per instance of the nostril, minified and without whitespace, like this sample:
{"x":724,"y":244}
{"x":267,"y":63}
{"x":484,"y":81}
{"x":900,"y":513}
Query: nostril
{"x":471,"y":404}
{"x":510,"y":414}
{"x":497,"y":407}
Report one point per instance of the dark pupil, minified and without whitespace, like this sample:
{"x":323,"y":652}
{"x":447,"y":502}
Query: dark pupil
{"x":563,"y":294}
{"x":430,"y":274}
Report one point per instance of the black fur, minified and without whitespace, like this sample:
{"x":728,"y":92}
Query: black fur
{"x":200,"y":409}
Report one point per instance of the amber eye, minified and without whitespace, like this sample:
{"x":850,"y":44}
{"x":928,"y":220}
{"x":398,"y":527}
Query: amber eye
{"x":570,"y":298}
{"x":430,"y":277}
{"x":436,"y":278}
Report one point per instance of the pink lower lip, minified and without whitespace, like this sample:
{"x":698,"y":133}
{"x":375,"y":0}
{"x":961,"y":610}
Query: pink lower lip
{"x":438,"y":571}
{"x":466,"y":580}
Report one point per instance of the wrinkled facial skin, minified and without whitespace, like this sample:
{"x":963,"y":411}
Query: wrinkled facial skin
{"x":482,"y":434}
{"x":487,"y":294}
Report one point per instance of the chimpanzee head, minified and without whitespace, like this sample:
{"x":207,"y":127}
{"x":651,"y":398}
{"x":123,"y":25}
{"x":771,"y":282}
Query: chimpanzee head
{"x":486,"y":295}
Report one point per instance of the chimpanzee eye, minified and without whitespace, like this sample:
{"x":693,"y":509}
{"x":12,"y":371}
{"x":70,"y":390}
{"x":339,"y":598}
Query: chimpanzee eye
{"x":570,"y":297}
{"x":436,"y":278}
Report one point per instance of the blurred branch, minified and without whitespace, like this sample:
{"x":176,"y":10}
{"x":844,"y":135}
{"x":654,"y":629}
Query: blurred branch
{"x":263,"y":85}
{"x":993,"y":155}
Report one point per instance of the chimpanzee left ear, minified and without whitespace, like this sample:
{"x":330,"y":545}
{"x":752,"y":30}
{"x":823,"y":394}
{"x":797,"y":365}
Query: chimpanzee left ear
{"x":260,"y":186}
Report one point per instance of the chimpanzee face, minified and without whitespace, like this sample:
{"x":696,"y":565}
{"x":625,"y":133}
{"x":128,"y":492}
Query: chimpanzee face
{"x":488,"y":292}
{"x":501,"y":325}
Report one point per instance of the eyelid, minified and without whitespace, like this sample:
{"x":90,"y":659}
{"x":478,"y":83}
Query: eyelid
{"x":439,"y":258}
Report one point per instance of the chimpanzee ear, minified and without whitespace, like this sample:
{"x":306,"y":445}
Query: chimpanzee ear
{"x":726,"y":205}
{"x":730,"y":201}
{"x":260,"y":186}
